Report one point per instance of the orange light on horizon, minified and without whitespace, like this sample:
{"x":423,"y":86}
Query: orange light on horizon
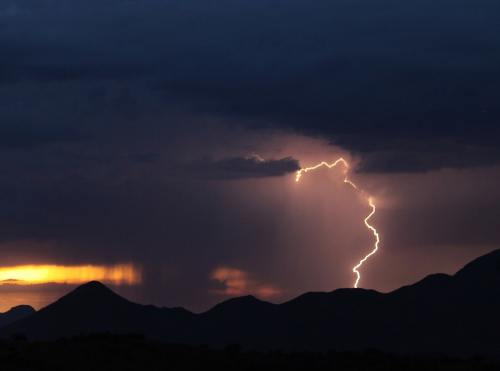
{"x":238,"y":282}
{"x":119,"y":274}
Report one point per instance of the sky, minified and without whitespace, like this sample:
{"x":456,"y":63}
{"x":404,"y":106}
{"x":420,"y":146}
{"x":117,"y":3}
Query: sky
{"x":163,"y":136}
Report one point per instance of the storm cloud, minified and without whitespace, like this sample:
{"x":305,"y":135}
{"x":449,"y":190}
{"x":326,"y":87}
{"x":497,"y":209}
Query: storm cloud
{"x":245,"y":167}
{"x":389,"y":93}
{"x":166,"y":133}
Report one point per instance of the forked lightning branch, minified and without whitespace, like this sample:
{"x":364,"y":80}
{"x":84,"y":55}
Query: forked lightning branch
{"x":371,"y":204}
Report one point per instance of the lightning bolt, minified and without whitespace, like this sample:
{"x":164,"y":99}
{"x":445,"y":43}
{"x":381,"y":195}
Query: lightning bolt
{"x":341,"y":161}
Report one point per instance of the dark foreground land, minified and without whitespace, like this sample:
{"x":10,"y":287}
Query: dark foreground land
{"x":129,"y":352}
{"x":453,"y":315}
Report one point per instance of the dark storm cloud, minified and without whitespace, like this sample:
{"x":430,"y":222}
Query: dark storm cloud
{"x":116,"y":117}
{"x":179,"y":231}
{"x":431,"y":156}
{"x":54,"y":73}
{"x":244,"y":167}
{"x":33,"y":136}
{"x":389,"y":80}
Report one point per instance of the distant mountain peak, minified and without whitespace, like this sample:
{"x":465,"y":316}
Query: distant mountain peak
{"x":239,"y":306}
{"x":238,"y":301}
{"x":93,"y":293}
{"x":245,"y":298}
{"x":15,"y":313}
{"x":93,"y":285}
{"x":22,"y":308}
{"x":485,"y":268}
{"x":93,"y":288}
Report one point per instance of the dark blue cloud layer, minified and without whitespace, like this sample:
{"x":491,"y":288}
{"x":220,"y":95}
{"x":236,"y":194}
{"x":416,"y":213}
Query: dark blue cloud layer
{"x":116,"y":117}
{"x":390,"y":80}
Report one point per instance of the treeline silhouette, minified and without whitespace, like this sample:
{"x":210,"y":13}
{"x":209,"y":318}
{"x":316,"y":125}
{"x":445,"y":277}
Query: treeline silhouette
{"x":135,"y":352}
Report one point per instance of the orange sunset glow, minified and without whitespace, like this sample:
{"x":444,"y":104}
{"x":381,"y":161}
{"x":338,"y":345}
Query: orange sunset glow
{"x":237,"y":283}
{"x":120,"y":274}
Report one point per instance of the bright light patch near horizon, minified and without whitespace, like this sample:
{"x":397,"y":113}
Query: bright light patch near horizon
{"x":120,"y":274}
{"x":237,"y":282}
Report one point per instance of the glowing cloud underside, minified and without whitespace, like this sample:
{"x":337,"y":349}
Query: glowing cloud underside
{"x":121,"y":274}
{"x":373,"y":230}
{"x":237,"y":282}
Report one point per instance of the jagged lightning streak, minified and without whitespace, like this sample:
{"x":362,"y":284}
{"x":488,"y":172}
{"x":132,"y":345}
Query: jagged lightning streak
{"x":374,"y":231}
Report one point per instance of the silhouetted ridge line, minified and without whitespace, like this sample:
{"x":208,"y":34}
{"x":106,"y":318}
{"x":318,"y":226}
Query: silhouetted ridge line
{"x":241,"y":302}
{"x":486,"y":267}
{"x":441,"y":313}
{"x":93,"y":291}
{"x":15,"y":314}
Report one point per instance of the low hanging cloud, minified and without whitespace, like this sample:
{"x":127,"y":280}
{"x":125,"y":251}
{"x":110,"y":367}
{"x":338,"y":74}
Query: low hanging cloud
{"x":244,"y":167}
{"x":122,"y":144}
{"x":237,"y":282}
{"x":388,"y":100}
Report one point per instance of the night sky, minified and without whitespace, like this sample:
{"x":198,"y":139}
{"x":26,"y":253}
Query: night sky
{"x":166,"y":134}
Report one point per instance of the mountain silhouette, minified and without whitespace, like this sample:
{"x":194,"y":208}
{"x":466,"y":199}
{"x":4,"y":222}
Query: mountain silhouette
{"x":94,"y":308}
{"x":456,"y":315}
{"x":15,"y":313}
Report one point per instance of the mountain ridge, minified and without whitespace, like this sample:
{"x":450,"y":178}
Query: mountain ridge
{"x":454,"y":314}
{"x":15,"y":313}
